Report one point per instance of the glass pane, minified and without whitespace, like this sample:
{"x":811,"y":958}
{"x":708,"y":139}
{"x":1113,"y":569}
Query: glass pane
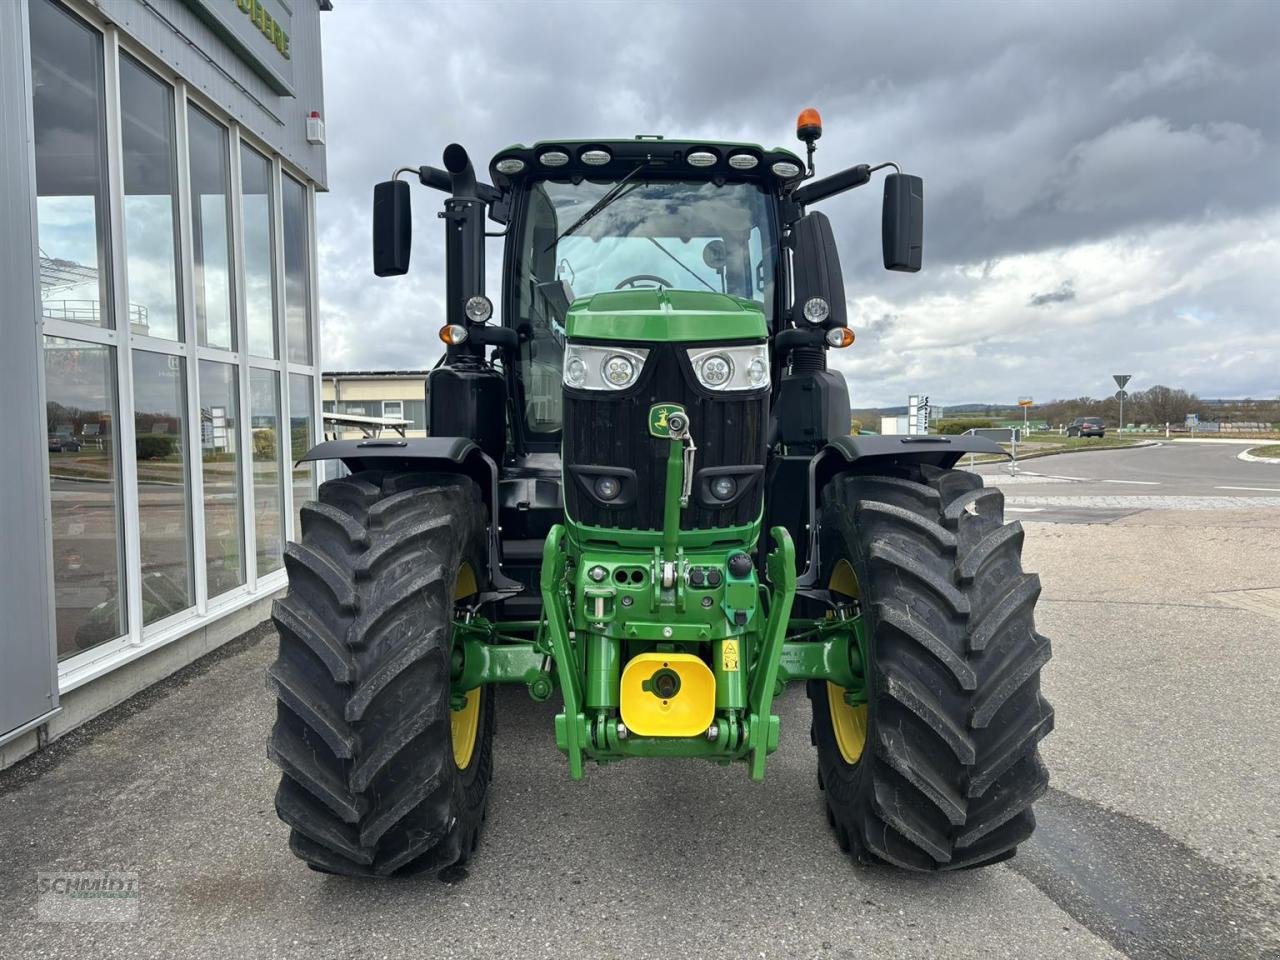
{"x":210,"y":230}
{"x":259,"y":292}
{"x":84,"y":488}
{"x":164,"y":513}
{"x":71,"y":175}
{"x":150,"y":198}
{"x":219,"y":445}
{"x":302,"y":436}
{"x":268,"y":488}
{"x":416,"y":412}
{"x":297,"y":287}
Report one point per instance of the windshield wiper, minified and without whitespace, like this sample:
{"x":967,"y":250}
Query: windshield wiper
{"x":612,"y":194}
{"x":682,"y":265}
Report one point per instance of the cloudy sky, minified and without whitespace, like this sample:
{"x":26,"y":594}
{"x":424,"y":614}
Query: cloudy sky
{"x":1102,"y":180}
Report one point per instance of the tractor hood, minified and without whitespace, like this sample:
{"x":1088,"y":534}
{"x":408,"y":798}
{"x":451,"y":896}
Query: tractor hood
{"x":665,"y":316}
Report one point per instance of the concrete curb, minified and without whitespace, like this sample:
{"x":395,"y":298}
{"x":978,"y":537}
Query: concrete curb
{"x":1254,"y":442}
{"x":1063,"y":453}
{"x":1246,"y":455}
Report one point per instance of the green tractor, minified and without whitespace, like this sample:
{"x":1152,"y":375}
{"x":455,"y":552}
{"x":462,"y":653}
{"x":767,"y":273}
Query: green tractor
{"x":639,"y":495}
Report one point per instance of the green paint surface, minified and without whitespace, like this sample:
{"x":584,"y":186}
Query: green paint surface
{"x":665,"y":315}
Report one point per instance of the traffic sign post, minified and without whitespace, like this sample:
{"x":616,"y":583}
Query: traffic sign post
{"x":1121,"y":379}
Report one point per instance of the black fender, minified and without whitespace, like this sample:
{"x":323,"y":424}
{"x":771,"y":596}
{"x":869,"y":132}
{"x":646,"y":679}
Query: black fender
{"x":936,"y":451}
{"x":436,"y":455}
{"x":861,"y":454}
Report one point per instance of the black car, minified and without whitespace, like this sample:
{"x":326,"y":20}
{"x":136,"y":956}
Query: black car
{"x":60,"y":444}
{"x":1086,"y":427}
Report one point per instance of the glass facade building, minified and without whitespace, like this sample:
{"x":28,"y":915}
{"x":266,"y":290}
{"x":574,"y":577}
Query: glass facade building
{"x":167,"y":193}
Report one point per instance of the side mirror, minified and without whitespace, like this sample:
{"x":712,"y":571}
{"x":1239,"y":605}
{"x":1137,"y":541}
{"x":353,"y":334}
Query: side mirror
{"x":902,"y":225}
{"x":392,"y":228}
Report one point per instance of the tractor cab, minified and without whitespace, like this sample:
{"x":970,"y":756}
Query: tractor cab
{"x":638,"y":272}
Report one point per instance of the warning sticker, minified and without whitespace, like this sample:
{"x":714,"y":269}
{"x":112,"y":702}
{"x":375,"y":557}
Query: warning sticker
{"x":729,"y":656}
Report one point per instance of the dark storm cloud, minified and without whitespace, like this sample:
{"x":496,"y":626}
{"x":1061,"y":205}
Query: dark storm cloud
{"x":1064,"y":294}
{"x":1040,"y":129}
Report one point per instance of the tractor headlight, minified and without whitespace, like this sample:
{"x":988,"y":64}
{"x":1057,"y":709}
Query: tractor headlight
{"x":478,"y":309}
{"x":816,"y":310}
{"x":618,"y":371}
{"x":731,"y":368}
{"x":714,"y":371}
{"x":602,"y":368}
{"x":723,"y":488}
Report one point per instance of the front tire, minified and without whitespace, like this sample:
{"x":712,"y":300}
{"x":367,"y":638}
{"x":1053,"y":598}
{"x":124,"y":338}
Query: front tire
{"x":941,"y":767}
{"x":380,"y":775}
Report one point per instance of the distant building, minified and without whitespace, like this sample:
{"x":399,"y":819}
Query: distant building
{"x":395,"y":394}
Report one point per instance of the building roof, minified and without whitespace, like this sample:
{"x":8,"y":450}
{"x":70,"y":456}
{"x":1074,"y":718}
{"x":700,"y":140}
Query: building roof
{"x":330,"y":374}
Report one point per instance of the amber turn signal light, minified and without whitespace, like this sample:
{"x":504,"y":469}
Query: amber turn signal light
{"x":809,"y":125}
{"x":840,"y":337}
{"x":453,"y":334}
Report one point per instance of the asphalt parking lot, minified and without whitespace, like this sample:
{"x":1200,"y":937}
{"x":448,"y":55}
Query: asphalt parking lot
{"x":1107,"y":484}
{"x":1160,"y":837}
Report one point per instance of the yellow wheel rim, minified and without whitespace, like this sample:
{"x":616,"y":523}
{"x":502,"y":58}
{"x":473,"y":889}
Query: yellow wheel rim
{"x":464,"y":724}
{"x":848,"y":723}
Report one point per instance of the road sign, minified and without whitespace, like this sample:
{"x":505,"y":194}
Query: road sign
{"x":1121,"y":379}
{"x":1026,"y":402}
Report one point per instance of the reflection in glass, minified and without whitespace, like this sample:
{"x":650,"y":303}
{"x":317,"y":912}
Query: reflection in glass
{"x":219,"y":446}
{"x":259,"y":293}
{"x":84,"y":492}
{"x":150,"y":214}
{"x":71,"y":178}
{"x":268,"y":486}
{"x":302,"y":434}
{"x":164,"y":516}
{"x":297,"y":288}
{"x":210,"y":230}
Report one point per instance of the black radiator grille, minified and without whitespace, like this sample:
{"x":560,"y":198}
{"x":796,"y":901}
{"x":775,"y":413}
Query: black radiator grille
{"x":612,"y":430}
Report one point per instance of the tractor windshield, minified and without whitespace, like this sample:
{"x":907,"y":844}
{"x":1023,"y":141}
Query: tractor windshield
{"x":685,"y":235}
{"x":674,"y":234}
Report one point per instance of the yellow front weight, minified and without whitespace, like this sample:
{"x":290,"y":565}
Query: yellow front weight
{"x":667,"y":695}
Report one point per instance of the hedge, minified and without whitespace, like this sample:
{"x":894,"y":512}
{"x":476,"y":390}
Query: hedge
{"x":961,"y":426}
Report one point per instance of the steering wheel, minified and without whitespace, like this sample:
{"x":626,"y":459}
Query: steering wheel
{"x":633,"y":281}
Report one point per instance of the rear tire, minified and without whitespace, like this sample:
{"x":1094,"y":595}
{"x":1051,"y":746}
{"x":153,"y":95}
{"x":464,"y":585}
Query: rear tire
{"x":949,"y":765}
{"x":371,"y":785}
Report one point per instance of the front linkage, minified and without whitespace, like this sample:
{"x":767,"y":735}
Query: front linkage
{"x":656,"y":602}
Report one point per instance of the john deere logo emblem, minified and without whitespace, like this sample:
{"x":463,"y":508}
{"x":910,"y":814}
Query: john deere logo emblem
{"x":659,"y":413}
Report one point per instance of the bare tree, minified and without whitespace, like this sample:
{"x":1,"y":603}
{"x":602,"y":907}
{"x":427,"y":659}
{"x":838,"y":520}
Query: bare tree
{"x":1160,"y":404}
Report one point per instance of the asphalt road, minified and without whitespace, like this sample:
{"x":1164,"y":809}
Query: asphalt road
{"x":1107,"y":484}
{"x":1160,"y":837}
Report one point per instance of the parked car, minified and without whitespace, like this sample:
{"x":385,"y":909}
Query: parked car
{"x":59,"y":444}
{"x":1086,"y":427}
